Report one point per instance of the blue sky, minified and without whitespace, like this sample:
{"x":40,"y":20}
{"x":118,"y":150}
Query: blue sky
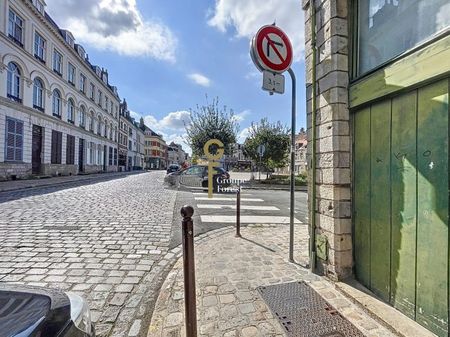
{"x":165,"y":56}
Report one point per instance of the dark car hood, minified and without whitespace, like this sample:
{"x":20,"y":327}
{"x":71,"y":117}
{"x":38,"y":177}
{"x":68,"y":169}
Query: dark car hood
{"x":24,"y":310}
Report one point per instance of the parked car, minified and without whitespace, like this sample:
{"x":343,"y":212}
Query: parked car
{"x":27,"y":311}
{"x":173,"y":168}
{"x":195,"y":177}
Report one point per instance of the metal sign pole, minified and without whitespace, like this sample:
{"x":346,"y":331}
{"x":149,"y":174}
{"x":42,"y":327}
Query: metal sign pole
{"x":292,"y":208}
{"x":259,"y":168}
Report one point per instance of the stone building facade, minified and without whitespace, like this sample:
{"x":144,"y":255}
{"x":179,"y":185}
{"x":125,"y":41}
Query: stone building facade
{"x":58,"y":112}
{"x":378,"y":87}
{"x":155,"y":150}
{"x":332,"y":207}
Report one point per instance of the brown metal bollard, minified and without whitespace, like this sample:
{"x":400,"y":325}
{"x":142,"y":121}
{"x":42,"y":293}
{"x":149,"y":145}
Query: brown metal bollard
{"x":189,"y":271}
{"x":238,"y":213}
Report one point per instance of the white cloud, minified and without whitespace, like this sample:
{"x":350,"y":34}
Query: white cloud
{"x":115,"y":25}
{"x":242,"y":136}
{"x":135,"y":115}
{"x":170,"y":127}
{"x":176,"y":120}
{"x":200,"y":79}
{"x":248,"y":16}
{"x":241,"y":116}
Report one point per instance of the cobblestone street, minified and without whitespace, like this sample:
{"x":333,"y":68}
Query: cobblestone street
{"x":106,"y":241}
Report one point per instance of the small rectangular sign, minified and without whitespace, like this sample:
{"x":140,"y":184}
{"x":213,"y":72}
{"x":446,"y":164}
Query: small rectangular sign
{"x":273,"y":82}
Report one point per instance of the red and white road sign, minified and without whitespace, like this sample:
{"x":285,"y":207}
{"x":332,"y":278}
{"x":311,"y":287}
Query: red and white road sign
{"x":271,"y":49}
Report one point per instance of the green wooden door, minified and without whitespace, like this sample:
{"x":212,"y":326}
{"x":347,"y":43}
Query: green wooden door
{"x":401,"y":202}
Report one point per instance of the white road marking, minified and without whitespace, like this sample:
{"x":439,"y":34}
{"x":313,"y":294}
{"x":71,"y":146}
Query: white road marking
{"x":228,"y":199}
{"x":231,"y":195}
{"x":248,"y":219}
{"x":247,"y":207}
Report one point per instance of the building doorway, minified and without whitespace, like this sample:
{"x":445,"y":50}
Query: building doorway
{"x":81,"y":155}
{"x":36,"y":150}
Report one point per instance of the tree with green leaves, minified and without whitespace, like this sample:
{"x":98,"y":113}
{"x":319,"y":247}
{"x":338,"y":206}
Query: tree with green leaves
{"x":211,"y":121}
{"x":276,"y":139}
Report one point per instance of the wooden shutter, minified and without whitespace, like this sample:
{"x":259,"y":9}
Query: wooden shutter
{"x":70,"y":150}
{"x":56,"y":147}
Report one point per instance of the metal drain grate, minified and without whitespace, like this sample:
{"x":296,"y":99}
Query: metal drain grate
{"x":304,"y":313}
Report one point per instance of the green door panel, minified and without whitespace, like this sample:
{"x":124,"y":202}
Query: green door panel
{"x":403,"y":203}
{"x":362,"y":195}
{"x":380,"y":224}
{"x":432,"y":212}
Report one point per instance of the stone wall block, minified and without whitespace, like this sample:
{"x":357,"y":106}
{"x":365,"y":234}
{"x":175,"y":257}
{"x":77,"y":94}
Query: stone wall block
{"x":335,"y":62}
{"x":333,"y":160}
{"x":335,"y":176}
{"x":333,"y":144}
{"x":332,"y":96}
{"x":335,"y":26}
{"x":328,"y":113}
{"x":333,"y":225}
{"x":332,"y":80}
{"x":333,"y":192}
{"x":333,"y":128}
{"x":334,"y":45}
{"x":335,"y":208}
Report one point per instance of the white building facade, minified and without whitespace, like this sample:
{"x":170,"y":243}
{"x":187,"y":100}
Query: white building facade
{"x":58,"y":112}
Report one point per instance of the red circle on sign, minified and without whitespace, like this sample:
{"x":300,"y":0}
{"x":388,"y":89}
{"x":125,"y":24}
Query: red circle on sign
{"x":286,"y":61}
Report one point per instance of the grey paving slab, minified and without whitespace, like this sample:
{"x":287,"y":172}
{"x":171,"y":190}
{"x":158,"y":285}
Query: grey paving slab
{"x":228,"y":271}
{"x":102,"y":240}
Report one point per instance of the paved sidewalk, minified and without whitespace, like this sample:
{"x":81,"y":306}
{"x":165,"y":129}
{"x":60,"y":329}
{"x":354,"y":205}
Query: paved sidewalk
{"x":21,"y":184}
{"x":228,"y":271}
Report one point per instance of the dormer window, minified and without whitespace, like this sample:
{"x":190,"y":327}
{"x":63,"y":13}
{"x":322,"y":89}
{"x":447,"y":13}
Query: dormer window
{"x":81,"y":52}
{"x":40,"y":6}
{"x":69,"y":38}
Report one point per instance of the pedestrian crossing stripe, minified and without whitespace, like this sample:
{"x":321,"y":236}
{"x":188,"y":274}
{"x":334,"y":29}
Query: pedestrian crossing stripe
{"x":223,"y":195}
{"x":228,"y":199}
{"x":257,"y":219}
{"x":243,"y":207}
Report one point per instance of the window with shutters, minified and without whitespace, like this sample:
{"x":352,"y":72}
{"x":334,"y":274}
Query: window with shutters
{"x":14,"y":140}
{"x":111,"y":158}
{"x":71,"y":111}
{"x":70,"y":150}
{"x":99,"y":155}
{"x":82,"y":120}
{"x":100,"y":99}
{"x":13,"y":82}
{"x":92,"y":91}
{"x":39,"y":47}
{"x":92,"y":153}
{"x":56,"y":147}
{"x":56,"y":106}
{"x":38,"y":94}
{"x":15,"y":27}
{"x":57,"y":62}
{"x":71,"y":74}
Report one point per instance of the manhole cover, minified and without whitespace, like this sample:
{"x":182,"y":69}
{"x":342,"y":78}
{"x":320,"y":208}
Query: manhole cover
{"x":304,"y":313}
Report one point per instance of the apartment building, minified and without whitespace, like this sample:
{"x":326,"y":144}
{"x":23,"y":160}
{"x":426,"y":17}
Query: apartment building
{"x":58,"y":112}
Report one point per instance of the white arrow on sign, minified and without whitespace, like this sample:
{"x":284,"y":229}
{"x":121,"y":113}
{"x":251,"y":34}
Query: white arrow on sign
{"x":261,"y":149}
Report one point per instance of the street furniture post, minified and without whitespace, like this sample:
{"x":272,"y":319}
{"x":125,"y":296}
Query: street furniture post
{"x":272,"y":53}
{"x":238,"y":213}
{"x":189,"y":271}
{"x":292,"y":185}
